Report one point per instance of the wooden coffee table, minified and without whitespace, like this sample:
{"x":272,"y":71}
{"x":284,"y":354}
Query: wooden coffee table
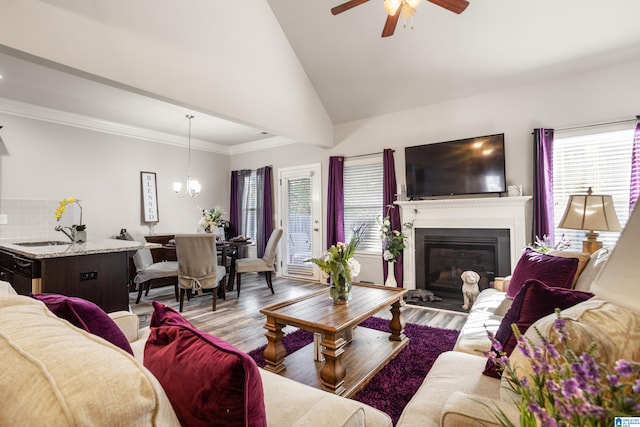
{"x":352,"y":356}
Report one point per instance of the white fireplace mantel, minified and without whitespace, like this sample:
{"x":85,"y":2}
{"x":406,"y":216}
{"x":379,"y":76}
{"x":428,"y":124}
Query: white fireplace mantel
{"x":513,"y":213}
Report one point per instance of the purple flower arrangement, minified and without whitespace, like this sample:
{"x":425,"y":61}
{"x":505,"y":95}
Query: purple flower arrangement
{"x":393,"y":241}
{"x":545,"y":244}
{"x":564,"y":388}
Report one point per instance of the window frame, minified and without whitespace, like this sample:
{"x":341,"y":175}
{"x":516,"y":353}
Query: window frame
{"x":597,"y":173}
{"x":375,"y":244}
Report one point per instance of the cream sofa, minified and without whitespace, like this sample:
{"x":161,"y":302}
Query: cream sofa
{"x":456,"y":393}
{"x":57,"y":374}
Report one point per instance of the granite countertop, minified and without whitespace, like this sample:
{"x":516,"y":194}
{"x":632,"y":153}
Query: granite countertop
{"x":89,"y":247}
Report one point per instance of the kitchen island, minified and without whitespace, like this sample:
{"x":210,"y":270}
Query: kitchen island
{"x":96,"y":270}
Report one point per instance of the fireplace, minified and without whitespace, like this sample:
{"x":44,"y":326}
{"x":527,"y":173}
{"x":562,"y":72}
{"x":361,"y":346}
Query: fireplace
{"x":509,"y":218}
{"x":446,"y":252}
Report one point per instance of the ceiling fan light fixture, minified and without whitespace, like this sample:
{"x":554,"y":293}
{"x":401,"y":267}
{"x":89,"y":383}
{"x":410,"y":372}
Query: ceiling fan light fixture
{"x":407,"y":11}
{"x":408,"y":7}
{"x":391,"y":6}
{"x":405,"y":8}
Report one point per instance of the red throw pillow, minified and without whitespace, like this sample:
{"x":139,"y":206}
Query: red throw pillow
{"x":534,"y":301}
{"x":85,"y":315}
{"x":557,"y":272}
{"x":208,"y":381}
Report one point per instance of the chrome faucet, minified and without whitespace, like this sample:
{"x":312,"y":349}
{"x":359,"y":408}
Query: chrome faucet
{"x":70,"y":236}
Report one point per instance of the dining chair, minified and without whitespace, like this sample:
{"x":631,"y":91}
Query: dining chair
{"x":265,"y":265}
{"x":198,"y":266}
{"x":147,"y":271}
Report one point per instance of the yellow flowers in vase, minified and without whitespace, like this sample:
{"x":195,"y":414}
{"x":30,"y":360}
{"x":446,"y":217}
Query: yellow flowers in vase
{"x":78,"y":231}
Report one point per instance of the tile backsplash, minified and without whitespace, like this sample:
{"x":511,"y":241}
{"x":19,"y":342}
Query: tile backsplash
{"x":29,"y":220}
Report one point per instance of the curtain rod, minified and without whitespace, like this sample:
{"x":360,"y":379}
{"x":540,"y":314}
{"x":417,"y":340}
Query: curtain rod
{"x":599,"y":124}
{"x":365,"y":155}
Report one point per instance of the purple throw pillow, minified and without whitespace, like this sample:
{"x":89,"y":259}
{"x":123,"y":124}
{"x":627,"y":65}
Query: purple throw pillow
{"x":534,"y":301}
{"x":85,"y":315}
{"x":556,"y":272}
{"x":207,"y":380}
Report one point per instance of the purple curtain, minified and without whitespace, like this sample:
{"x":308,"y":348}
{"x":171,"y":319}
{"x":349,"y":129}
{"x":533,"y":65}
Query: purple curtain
{"x":388,"y":197}
{"x":264,"y":208}
{"x":234,"y":214}
{"x":543,"y":183}
{"x":335,"y":202}
{"x":635,"y":168}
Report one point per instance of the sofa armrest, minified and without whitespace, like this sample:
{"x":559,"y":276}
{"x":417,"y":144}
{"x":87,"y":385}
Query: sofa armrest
{"x":465,"y":409}
{"x":128,"y":324}
{"x":126,"y":321}
{"x":7,"y":289}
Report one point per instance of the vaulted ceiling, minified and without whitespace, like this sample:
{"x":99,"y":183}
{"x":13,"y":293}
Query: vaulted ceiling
{"x":434,"y":57}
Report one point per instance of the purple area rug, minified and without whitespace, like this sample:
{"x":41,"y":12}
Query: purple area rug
{"x":390,"y":389}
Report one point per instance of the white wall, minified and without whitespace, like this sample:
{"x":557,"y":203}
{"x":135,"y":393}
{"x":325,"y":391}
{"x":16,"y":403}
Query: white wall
{"x":243,"y":69}
{"x":46,"y":161}
{"x":598,"y":95}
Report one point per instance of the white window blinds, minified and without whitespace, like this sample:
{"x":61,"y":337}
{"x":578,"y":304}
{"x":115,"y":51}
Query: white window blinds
{"x":596,"y":157}
{"x":249,"y":207}
{"x":363,"y":200}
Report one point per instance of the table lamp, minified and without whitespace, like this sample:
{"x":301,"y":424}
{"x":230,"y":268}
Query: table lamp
{"x":593,"y":213}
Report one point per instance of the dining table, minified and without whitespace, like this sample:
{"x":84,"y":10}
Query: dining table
{"x":229,"y":250}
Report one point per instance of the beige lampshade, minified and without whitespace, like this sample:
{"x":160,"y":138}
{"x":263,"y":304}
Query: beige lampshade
{"x":590,"y":212}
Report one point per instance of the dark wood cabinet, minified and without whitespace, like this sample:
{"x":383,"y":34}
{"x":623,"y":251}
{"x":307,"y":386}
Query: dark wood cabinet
{"x":101,"y":278}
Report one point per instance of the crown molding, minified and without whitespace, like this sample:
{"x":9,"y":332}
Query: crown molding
{"x":35,"y":112}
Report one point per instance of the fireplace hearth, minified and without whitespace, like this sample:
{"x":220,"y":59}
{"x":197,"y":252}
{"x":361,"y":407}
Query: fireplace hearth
{"x":446,"y":253}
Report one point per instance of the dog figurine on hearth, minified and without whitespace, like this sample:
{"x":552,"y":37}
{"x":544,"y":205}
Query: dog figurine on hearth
{"x":470,"y":289}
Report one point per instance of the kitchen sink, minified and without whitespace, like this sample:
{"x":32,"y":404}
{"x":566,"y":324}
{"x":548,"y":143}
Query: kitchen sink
{"x":45,"y":243}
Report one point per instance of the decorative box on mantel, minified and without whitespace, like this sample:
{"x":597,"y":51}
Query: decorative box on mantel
{"x":506,"y":213}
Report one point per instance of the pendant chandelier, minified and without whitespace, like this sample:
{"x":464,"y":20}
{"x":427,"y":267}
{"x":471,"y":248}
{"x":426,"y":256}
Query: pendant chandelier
{"x":193,"y":187}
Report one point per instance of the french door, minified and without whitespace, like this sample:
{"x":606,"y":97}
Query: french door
{"x":300,"y":219}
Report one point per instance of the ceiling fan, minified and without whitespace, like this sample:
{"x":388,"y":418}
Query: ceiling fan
{"x":406,"y":8}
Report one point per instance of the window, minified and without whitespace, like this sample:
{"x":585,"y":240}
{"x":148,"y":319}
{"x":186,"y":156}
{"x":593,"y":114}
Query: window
{"x":597,"y":157}
{"x":249,"y":206}
{"x":363,"y":200}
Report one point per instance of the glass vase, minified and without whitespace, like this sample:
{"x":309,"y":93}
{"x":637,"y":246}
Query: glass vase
{"x":340,"y":289}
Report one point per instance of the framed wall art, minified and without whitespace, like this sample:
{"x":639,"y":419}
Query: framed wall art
{"x":149,"y":197}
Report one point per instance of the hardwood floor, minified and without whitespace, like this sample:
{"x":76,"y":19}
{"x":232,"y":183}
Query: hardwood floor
{"x":239,"y":321}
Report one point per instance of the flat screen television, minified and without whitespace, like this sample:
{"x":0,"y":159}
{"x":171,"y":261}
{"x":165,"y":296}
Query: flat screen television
{"x":465,"y":166}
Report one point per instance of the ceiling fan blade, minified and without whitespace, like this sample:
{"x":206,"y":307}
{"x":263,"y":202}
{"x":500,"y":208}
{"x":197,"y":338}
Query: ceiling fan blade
{"x":346,"y":6}
{"x":391,"y":23}
{"x":455,"y":6}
